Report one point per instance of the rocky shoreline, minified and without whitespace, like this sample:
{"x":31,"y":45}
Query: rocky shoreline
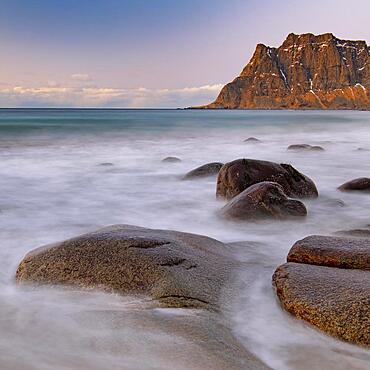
{"x":324,"y":282}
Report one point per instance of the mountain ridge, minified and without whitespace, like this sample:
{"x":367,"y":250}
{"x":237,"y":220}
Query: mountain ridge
{"x":306,"y":72}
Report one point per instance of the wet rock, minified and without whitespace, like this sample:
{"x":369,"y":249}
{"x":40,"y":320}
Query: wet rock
{"x":360,"y":184}
{"x":263,"y":200}
{"x":326,"y":282}
{"x":171,"y":160}
{"x":236,"y":176}
{"x":209,"y":169}
{"x":350,"y":253}
{"x":252,"y":140}
{"x":363,"y":150}
{"x":333,"y":202}
{"x":305,"y":147}
{"x":299,"y":147}
{"x":177,"y":269}
{"x":334,"y":300}
{"x":317,"y":148}
{"x":355,"y":233}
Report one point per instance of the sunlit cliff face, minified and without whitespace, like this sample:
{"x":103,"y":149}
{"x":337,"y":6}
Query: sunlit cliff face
{"x":305,"y":72}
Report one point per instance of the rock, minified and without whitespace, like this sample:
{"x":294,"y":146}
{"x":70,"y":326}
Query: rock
{"x":171,"y":160}
{"x":252,"y":140}
{"x":106,"y":164}
{"x":334,"y":300}
{"x":333,"y":202}
{"x":263,"y":200}
{"x":305,"y":72}
{"x":305,"y":147}
{"x":332,"y":251}
{"x":209,"y":169}
{"x":236,"y":176}
{"x":355,"y":233}
{"x":299,"y":147}
{"x":177,"y":269}
{"x":317,"y":148}
{"x":327,"y":283}
{"x":360,"y":184}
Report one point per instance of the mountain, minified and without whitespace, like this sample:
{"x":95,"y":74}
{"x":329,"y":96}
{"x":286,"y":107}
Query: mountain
{"x":305,"y":72}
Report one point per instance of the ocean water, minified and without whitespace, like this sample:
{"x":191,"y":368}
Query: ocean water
{"x":53,"y":186}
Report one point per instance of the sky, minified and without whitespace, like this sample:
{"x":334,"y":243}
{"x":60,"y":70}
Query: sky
{"x":148,"y":53}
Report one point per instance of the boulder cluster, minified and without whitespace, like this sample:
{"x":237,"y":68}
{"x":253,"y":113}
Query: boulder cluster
{"x":326,"y":279}
{"x":326,"y":282}
{"x":261,"y":189}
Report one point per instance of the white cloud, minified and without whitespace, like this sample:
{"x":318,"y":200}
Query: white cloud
{"x":80,"y":77}
{"x":87,"y":96}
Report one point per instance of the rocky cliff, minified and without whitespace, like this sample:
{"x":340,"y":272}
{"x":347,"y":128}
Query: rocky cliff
{"x":305,"y":72}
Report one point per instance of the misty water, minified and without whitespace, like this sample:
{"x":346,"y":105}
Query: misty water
{"x":54,"y":186}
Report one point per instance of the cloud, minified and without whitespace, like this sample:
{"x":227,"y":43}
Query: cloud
{"x":88,"y":96}
{"x":80,"y":77}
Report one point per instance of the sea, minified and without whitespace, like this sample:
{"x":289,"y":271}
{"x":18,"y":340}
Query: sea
{"x":65,"y":172}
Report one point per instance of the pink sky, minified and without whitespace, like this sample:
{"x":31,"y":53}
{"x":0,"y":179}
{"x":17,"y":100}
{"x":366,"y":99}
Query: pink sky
{"x":131,"y":54}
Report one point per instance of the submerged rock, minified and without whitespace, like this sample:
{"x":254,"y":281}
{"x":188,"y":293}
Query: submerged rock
{"x":177,"y":269}
{"x":305,"y":147}
{"x":334,"y":300}
{"x":263,"y":200}
{"x":332,"y":202}
{"x":236,"y":176}
{"x":332,"y":251}
{"x":252,"y":140}
{"x":209,"y":169}
{"x":355,"y":233}
{"x":171,"y":160}
{"x":363,"y":150}
{"x":360,"y":184}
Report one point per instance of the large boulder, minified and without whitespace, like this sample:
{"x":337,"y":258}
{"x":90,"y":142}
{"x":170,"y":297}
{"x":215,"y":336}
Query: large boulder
{"x":360,"y":184}
{"x":334,"y":300}
{"x":209,"y":169}
{"x":332,"y":251}
{"x":326,"y":282}
{"x":175,"y":268}
{"x":263,"y":200}
{"x":236,"y":176}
